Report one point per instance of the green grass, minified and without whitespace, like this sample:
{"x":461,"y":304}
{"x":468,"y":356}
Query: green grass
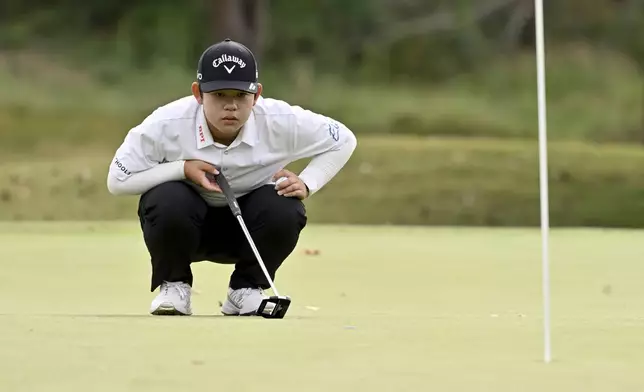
{"x":398,"y":309}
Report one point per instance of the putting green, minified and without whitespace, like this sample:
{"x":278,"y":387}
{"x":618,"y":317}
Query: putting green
{"x":380,"y":308}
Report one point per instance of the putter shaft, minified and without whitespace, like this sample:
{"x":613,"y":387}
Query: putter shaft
{"x":259,"y":258}
{"x":220,"y":179}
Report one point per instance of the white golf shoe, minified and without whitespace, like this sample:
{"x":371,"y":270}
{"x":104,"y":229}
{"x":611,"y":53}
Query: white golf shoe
{"x":242,"y":302}
{"x":173,"y":300}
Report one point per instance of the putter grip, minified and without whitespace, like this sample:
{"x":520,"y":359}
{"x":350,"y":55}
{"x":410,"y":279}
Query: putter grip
{"x":228,"y":193}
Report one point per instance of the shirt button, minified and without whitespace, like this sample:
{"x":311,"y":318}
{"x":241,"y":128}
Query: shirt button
{"x":225,"y":168}
{"x":226,"y":152}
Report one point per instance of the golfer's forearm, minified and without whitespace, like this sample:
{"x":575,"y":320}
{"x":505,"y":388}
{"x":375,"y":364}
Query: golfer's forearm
{"x":324,"y":167}
{"x":139,"y":183}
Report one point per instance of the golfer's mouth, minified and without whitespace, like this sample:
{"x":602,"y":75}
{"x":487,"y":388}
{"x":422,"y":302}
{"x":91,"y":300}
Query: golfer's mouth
{"x":230,"y":119}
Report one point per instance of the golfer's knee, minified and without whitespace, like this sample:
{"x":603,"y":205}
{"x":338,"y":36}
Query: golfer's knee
{"x":172,"y":205}
{"x":286,"y":217}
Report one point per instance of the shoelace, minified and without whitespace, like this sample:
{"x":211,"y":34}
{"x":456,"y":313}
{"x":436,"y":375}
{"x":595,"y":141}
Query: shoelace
{"x":181,"y":288}
{"x":241,"y":294}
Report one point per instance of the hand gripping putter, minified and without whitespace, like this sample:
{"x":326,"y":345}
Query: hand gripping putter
{"x":276,"y":305}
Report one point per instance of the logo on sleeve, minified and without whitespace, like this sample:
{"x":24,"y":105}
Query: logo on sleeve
{"x":121,"y":166}
{"x":334,"y":130}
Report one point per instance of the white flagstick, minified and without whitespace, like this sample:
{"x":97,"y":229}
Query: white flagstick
{"x":543,"y":174}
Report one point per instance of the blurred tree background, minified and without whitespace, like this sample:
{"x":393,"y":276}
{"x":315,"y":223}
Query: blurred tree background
{"x":76,"y":75}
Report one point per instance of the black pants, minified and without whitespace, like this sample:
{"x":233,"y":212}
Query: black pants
{"x":179,"y":228}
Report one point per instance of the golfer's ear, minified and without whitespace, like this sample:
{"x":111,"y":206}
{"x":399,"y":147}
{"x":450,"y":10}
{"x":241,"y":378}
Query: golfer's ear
{"x":196,"y":92}
{"x":258,"y":93}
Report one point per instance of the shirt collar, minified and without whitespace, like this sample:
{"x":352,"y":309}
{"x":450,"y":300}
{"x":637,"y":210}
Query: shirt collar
{"x":248,"y":134}
{"x":204,"y":137}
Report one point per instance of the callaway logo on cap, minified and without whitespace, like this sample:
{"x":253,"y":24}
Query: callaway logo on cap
{"x":227,"y":65}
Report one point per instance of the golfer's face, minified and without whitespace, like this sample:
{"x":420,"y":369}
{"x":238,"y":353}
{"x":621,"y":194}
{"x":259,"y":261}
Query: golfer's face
{"x":228,"y":110}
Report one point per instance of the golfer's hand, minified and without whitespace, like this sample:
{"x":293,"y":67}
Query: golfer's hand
{"x":292,"y":186}
{"x":196,"y":171}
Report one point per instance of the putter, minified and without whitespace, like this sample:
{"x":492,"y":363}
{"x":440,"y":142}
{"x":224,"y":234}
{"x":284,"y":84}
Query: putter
{"x":274,"y":306}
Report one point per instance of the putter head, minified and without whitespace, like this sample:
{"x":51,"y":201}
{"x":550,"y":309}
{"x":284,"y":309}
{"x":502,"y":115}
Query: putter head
{"x":274,"y":307}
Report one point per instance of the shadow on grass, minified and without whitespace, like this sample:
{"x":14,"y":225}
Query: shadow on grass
{"x":136,"y":316}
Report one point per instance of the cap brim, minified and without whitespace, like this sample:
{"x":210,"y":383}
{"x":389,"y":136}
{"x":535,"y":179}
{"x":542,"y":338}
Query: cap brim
{"x":249,"y":87}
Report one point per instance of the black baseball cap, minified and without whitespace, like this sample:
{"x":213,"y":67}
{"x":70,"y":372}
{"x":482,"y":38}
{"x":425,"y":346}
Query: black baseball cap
{"x":227,"y":65}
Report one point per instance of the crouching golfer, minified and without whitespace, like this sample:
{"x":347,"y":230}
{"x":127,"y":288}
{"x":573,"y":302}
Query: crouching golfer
{"x":225,"y":125}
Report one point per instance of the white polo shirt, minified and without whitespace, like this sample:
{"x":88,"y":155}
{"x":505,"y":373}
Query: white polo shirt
{"x":275,"y":135}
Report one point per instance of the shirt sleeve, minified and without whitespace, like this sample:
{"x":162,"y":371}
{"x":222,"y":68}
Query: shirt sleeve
{"x":328,"y":142}
{"x":139,"y":163}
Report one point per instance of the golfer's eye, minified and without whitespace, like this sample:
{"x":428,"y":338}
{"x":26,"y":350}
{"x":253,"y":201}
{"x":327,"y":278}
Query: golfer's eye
{"x":219,"y":95}
{"x":241,"y":95}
